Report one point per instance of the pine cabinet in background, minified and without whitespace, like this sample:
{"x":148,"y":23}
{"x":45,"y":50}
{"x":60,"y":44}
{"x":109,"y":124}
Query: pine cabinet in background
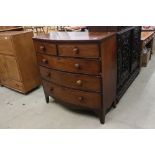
{"x":18,"y":66}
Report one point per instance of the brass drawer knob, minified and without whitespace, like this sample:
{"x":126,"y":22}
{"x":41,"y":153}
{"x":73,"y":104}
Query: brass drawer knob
{"x":76,"y":50}
{"x":77,"y":66}
{"x":79,"y":82}
{"x":45,"y":61}
{"x":80,"y":98}
{"x":42,"y":48}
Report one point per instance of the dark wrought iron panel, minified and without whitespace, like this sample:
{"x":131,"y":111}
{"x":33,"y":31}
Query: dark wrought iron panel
{"x":123,"y":57}
{"x":136,"y":48}
{"x":128,"y":54}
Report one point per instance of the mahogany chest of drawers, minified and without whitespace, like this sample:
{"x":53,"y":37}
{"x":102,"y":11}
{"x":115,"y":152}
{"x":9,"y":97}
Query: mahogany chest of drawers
{"x":79,"y":69}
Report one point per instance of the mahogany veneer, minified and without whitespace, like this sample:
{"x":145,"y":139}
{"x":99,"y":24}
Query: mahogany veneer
{"x":79,"y":68}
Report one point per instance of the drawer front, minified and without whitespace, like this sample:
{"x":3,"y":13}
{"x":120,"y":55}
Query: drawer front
{"x":70,"y":64}
{"x":76,"y":81}
{"x":76,"y":97}
{"x":6,"y":45}
{"x":14,"y":85}
{"x":79,"y":50}
{"x":46,"y":48}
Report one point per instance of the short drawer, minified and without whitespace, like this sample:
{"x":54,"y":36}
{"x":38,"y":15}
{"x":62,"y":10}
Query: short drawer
{"x":14,"y":85}
{"x":74,"y":65}
{"x":76,"y":81}
{"x":46,"y":48}
{"x":79,"y":50}
{"x":75,"y":97}
{"x":6,"y":45}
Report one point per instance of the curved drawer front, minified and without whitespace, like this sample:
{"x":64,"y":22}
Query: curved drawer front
{"x":76,"y":97}
{"x":46,"y":48}
{"x":76,"y":81}
{"x":79,"y":50}
{"x":70,"y":64}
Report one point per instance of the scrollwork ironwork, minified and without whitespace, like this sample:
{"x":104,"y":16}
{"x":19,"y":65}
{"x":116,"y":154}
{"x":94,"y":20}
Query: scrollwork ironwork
{"x":128,"y":54}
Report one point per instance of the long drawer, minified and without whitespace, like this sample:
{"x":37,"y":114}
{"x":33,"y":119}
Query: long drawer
{"x":78,"y":50}
{"x":74,"y":65}
{"x":76,"y":97}
{"x":76,"y":81}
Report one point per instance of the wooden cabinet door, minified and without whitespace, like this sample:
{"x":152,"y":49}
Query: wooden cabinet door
{"x":3,"y":71}
{"x":12,"y":68}
{"x":6,"y":45}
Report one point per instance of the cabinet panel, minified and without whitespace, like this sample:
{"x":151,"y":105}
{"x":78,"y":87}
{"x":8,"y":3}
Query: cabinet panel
{"x":6,"y":45}
{"x":3,"y":71}
{"x":12,"y":68}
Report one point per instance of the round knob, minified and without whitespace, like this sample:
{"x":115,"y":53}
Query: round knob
{"x":80,"y":98}
{"x":42,"y":48}
{"x":49,"y":75}
{"x":51,"y":89}
{"x":77,"y":66}
{"x":79,"y":82}
{"x":76,"y":50}
{"x":45,"y":61}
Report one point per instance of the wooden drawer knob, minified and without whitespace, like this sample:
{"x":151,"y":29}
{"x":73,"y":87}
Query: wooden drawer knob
{"x":76,"y":50}
{"x":79,"y":82}
{"x":17,"y":85}
{"x":80,"y":98}
{"x":49,"y":74}
{"x":42,"y":48}
{"x":77,"y":66}
{"x":45,"y":61}
{"x":51,"y":89}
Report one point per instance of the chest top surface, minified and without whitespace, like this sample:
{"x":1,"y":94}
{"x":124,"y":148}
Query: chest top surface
{"x":12,"y":33}
{"x":74,"y":36}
